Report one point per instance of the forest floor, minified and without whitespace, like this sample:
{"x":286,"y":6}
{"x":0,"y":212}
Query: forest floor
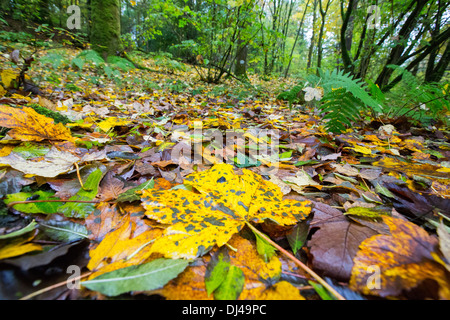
{"x":367,"y":210}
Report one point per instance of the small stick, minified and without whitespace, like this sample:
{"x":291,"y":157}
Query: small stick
{"x":299,"y":263}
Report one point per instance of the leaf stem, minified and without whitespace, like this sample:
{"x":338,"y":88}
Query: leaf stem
{"x":59,"y":284}
{"x":298,"y":262}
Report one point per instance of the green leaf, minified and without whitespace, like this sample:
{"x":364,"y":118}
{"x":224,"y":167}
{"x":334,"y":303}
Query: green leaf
{"x":265,"y":249}
{"x":28,"y":150}
{"x":363,"y":212}
{"x":64,"y":231}
{"x":297,"y":237}
{"x":304,"y":163}
{"x":22,"y":231}
{"x":217,"y":270}
{"x":36,"y":207}
{"x":143,"y":277}
{"x":82,"y":210}
{"x":232,"y":286}
{"x":131,"y":195}
{"x":321,"y":291}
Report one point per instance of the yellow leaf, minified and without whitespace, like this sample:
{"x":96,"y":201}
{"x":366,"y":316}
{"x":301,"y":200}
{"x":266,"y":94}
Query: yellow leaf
{"x":18,"y":246}
{"x":8,"y":77}
{"x":120,"y":248}
{"x":361,"y":149}
{"x":2,"y":91}
{"x":28,"y":125}
{"x":112,"y":122}
{"x":226,"y":201}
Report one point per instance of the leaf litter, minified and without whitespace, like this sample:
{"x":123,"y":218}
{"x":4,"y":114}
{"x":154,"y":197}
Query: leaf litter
{"x":368,"y":209}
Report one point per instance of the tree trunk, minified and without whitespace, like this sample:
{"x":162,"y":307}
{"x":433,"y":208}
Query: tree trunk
{"x":323,"y":14}
{"x":300,"y":28}
{"x":397,"y":51}
{"x":439,"y":69}
{"x":311,"y":45}
{"x":347,"y":34}
{"x":240,"y":67}
{"x":105,"y":31}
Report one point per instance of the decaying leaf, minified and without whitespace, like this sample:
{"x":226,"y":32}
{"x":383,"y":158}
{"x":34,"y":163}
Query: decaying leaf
{"x":200,"y":221}
{"x":52,"y":164}
{"x":28,"y":125}
{"x":388,"y":265}
{"x":336,"y":243}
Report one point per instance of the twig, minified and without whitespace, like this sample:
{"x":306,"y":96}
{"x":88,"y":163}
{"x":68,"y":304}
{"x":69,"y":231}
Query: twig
{"x":59,"y":284}
{"x":299,"y":263}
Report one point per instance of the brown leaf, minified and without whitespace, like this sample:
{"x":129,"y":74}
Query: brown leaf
{"x":386,"y":265}
{"x":336,"y":243}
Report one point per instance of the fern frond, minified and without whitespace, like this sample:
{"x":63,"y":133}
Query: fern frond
{"x":341,"y":108}
{"x":338,"y":79}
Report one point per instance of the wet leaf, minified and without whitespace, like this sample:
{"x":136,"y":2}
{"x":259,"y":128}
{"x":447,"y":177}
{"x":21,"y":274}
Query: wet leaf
{"x":143,"y":277}
{"x":78,"y":209}
{"x":18,"y":246}
{"x":387,"y":265}
{"x":336,"y":243}
{"x":36,"y":207}
{"x":28,"y":125}
{"x":226,"y":202}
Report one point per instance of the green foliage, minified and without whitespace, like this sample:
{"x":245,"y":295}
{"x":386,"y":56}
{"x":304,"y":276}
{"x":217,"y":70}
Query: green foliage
{"x":338,"y":79}
{"x":416,"y":99}
{"x":89,"y":56}
{"x":341,"y":108}
{"x":22,"y":37}
{"x":121,"y":63}
{"x":176,"y":86}
{"x":294,"y":95}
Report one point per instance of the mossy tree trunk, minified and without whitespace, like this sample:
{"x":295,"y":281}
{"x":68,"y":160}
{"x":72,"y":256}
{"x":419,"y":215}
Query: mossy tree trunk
{"x":105,"y":29}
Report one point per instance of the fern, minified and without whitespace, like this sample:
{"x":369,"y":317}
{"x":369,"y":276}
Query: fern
{"x":294,"y":95}
{"x":416,"y":99}
{"x":338,"y":79}
{"x":341,"y":108}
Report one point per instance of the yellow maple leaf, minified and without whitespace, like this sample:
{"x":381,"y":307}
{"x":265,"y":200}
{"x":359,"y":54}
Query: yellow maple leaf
{"x":28,"y":125}
{"x":226,"y":201}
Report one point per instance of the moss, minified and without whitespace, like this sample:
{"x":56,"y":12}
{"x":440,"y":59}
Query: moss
{"x":105,"y":31}
{"x":59,"y":118}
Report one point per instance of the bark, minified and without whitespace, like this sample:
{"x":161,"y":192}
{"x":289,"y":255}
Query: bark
{"x":311,"y":45}
{"x":105,"y":30}
{"x":396,"y":53}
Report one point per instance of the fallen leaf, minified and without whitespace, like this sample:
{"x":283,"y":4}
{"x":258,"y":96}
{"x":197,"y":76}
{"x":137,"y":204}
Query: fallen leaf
{"x":143,"y":277}
{"x":53,"y":163}
{"x":28,"y":125}
{"x":336,"y":243}
{"x":226,"y":201}
{"x":387,"y":265}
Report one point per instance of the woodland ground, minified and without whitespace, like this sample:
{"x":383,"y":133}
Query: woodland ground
{"x":367,"y":209}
